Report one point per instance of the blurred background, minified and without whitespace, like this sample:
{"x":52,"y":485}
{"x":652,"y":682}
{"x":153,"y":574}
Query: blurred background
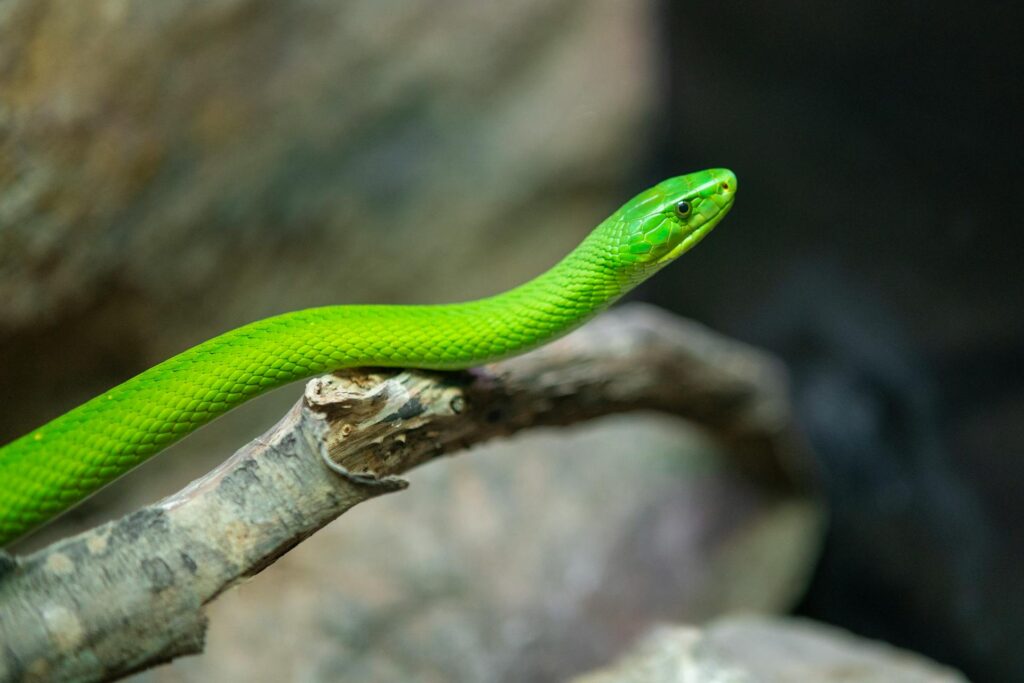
{"x":171,"y":170}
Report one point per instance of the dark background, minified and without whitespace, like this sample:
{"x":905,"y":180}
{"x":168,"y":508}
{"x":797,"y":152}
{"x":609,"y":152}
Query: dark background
{"x":876,"y":249}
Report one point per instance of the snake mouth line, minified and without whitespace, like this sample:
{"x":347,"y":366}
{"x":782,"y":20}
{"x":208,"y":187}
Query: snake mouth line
{"x":701,"y":232}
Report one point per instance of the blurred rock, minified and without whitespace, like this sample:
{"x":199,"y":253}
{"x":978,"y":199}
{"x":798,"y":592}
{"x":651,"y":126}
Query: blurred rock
{"x":170,"y":170}
{"x":767,"y":650}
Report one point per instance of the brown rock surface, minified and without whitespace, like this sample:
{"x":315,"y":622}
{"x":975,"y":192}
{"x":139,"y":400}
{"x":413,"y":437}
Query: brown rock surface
{"x":768,"y":650}
{"x":170,"y":170}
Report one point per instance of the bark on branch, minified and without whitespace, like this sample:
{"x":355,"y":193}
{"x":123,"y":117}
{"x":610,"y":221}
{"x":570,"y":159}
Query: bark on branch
{"x":130,"y":594}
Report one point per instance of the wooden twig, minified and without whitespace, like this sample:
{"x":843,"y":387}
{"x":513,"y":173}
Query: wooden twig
{"x":130,"y":594}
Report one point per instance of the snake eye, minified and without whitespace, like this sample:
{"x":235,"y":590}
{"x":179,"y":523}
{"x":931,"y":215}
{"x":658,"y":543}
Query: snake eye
{"x":683,"y":208}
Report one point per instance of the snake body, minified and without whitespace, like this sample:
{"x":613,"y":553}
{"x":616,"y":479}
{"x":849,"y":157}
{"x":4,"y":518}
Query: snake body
{"x":55,"y":466}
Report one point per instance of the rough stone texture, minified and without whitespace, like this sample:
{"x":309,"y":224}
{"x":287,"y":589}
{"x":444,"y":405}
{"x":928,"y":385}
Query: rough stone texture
{"x":767,"y":650}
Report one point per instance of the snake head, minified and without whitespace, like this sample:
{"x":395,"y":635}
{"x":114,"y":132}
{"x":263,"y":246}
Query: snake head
{"x":664,"y":222}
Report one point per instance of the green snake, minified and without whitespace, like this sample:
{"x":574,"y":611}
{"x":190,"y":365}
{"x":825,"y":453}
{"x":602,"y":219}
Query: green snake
{"x":57,"y":465}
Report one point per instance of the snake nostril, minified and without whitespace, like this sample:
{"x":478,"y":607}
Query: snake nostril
{"x":723,"y":186}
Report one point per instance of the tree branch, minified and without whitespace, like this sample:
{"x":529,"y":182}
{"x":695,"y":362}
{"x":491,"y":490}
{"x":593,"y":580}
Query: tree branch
{"x":130,"y":594}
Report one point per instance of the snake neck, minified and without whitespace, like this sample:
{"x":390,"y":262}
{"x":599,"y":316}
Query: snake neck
{"x":574,"y":290}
